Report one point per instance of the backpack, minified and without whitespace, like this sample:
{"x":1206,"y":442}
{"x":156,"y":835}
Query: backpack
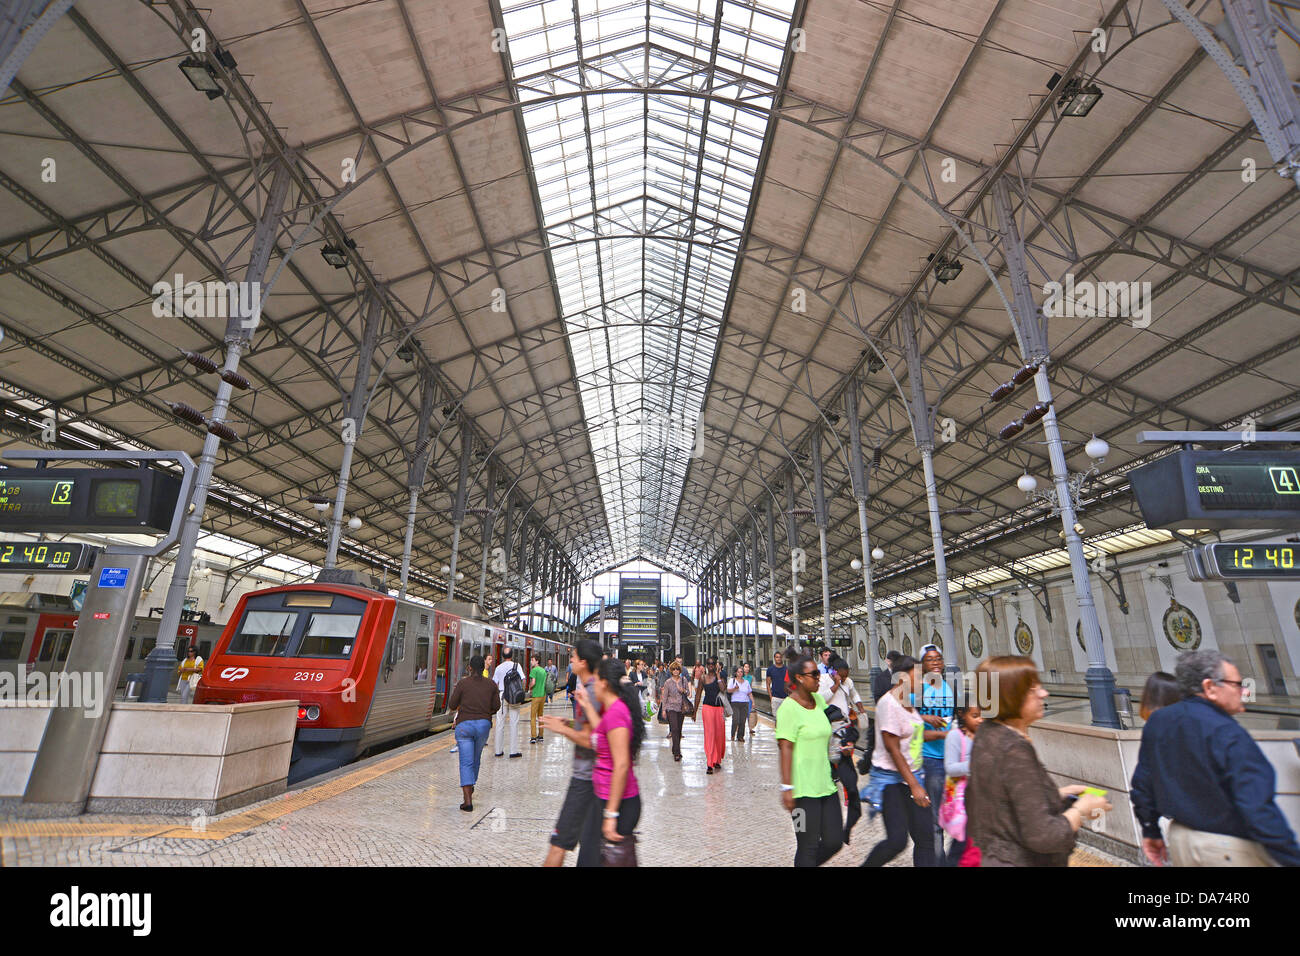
{"x":513,"y":686}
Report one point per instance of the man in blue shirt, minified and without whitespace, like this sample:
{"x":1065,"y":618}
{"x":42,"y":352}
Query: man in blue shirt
{"x":1203,"y":770}
{"x":776,"y":682}
{"x":936,"y":709}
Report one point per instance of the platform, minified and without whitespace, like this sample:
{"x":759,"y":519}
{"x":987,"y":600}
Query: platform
{"x":401,"y":808}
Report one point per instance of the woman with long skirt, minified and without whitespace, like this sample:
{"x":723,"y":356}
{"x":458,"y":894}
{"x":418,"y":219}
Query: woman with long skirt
{"x":715,"y":724}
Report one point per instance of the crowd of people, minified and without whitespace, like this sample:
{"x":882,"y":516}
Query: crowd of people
{"x":965,"y":787}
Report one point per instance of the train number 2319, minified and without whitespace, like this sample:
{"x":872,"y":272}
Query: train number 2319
{"x":309,"y":675}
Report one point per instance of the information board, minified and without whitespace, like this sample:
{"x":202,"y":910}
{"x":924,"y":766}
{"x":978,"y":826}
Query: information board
{"x":87,"y":499}
{"x":1220,"y":489}
{"x":638,"y":610}
{"x":1267,"y":560}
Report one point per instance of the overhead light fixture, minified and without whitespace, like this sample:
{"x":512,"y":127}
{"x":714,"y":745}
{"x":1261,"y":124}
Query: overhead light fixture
{"x":856,"y":564}
{"x":1077,"y":97}
{"x":405,"y":352}
{"x":354,"y":523}
{"x":334,"y":256}
{"x":320,"y":502}
{"x":1097,"y":448}
{"x":1027,"y":483}
{"x":201,"y":76}
{"x":877,"y":554}
{"x":833,"y":418}
{"x":945,"y":269}
{"x":875,"y":363}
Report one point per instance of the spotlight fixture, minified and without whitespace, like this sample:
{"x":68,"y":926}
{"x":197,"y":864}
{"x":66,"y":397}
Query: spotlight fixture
{"x":201,"y":76}
{"x":405,"y":352}
{"x":224,"y":58}
{"x":945,"y":269}
{"x":875,"y":363}
{"x":222,"y":431}
{"x":235,"y":379}
{"x":1078,"y":528}
{"x":320,"y":502}
{"x":334,"y":256}
{"x":1077,"y":97}
{"x":200,"y":362}
{"x":187,"y":413}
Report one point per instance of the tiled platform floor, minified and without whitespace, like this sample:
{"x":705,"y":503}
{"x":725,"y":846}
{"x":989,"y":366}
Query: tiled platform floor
{"x":401,"y":808}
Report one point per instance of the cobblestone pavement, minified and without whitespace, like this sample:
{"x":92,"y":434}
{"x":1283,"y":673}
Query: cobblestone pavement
{"x":402,"y":807}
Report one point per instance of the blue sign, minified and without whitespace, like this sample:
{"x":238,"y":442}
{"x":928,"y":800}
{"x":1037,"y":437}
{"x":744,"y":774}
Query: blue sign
{"x":112,"y":577}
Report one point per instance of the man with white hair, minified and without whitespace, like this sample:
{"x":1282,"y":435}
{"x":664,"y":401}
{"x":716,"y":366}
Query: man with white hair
{"x":1204,"y":771}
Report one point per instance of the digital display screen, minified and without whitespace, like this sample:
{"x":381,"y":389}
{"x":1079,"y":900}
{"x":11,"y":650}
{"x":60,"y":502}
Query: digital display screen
{"x":1248,"y":486}
{"x":638,"y":610}
{"x":36,"y":497}
{"x":117,"y":498}
{"x":309,"y":599}
{"x":1267,"y":559}
{"x":42,"y":556}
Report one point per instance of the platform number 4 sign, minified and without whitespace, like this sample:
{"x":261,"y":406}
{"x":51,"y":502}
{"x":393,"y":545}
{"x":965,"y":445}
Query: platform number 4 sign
{"x":1285,"y":481}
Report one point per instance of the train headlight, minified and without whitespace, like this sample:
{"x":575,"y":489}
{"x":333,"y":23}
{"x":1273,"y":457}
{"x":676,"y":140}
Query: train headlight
{"x":310,"y":712}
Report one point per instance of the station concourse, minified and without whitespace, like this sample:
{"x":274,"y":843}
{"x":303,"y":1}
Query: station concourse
{"x":373,"y":374}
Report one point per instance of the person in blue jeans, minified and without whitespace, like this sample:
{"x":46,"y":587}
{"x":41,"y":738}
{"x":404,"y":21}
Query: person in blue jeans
{"x":936,"y":709}
{"x":475,"y":699}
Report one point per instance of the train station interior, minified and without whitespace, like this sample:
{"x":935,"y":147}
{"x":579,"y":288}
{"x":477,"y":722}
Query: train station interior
{"x":344,"y":342}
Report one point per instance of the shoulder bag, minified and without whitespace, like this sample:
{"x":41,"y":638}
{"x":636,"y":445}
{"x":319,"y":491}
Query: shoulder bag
{"x":723,"y":698}
{"x":618,"y":854}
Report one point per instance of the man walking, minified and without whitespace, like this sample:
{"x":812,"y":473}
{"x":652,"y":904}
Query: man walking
{"x":537,"y":695}
{"x":775,"y":681}
{"x":512,"y":700}
{"x":1203,"y":770}
{"x":579,"y":822}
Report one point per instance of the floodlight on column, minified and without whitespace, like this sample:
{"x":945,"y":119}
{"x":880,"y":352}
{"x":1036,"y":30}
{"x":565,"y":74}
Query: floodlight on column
{"x":945,"y":269}
{"x":1077,"y":97}
{"x":334,"y":256}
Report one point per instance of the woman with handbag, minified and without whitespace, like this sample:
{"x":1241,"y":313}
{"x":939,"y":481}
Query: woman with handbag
{"x":616,"y":738}
{"x":674,"y":704}
{"x":715,"y":723}
{"x":741,"y":702}
{"x":956,"y":767}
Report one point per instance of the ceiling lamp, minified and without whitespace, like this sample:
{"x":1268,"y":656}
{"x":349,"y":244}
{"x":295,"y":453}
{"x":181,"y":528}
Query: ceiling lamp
{"x":945,"y":269}
{"x":201,"y":76}
{"x":334,"y":256}
{"x":1027,"y":483}
{"x":1077,"y":97}
{"x":856,"y":564}
{"x":1097,"y":448}
{"x":320,"y":502}
{"x":354,"y":523}
{"x":877,"y":554}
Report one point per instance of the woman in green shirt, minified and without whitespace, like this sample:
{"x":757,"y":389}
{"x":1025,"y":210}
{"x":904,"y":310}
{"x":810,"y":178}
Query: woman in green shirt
{"x":807,"y":790}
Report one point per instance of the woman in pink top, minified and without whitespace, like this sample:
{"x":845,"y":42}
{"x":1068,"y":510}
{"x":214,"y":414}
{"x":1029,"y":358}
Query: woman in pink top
{"x":619,"y":730}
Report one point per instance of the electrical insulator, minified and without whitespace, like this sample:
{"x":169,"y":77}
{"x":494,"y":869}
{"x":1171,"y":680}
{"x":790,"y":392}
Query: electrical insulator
{"x":200,"y":362}
{"x":235,"y":379}
{"x":223,"y":431}
{"x":1002,"y":391}
{"x":187,"y":414}
{"x":1024,"y":374}
{"x":1011,"y":430}
{"x":1035,"y":413}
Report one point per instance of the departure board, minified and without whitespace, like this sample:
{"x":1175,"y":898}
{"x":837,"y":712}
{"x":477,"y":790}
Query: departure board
{"x":87,"y":499}
{"x":638,"y":610}
{"x":1205,"y":488}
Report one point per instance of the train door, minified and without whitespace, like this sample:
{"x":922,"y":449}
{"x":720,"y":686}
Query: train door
{"x":442,"y":675}
{"x":53,"y":652}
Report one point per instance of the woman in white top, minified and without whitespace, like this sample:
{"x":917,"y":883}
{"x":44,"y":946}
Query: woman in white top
{"x":742,"y":698}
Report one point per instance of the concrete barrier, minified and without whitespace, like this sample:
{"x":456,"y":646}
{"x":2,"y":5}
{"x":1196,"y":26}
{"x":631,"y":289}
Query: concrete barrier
{"x":166,"y":758}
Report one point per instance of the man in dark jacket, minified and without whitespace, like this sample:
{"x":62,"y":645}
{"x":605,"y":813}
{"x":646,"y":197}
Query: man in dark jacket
{"x":1202,"y":769}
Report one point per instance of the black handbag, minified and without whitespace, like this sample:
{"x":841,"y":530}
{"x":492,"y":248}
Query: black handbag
{"x":622,"y":853}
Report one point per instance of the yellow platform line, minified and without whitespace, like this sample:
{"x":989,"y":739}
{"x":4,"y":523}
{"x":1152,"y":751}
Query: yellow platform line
{"x":232,"y":825}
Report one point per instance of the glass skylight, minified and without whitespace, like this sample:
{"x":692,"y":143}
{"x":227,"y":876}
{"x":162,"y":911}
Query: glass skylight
{"x":644,"y":188}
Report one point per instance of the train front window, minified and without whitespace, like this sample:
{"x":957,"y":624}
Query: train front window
{"x":264,"y":633}
{"x":330,"y":635}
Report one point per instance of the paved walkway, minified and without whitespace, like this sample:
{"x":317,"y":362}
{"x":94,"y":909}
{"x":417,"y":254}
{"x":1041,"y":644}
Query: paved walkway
{"x":402,"y":808}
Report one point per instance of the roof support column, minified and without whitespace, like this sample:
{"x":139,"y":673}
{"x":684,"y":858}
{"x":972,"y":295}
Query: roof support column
{"x":419,"y":468}
{"x":922,"y":427}
{"x":458,"y":505}
{"x":819,"y":515}
{"x":796,"y":553}
{"x":358,"y":404}
{"x":488,"y":520}
{"x":858,"y":477}
{"x":239,"y":332}
{"x":1031,"y":327}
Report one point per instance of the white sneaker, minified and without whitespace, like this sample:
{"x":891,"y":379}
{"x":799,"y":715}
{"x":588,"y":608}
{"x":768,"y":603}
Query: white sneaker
{"x":454,"y":750}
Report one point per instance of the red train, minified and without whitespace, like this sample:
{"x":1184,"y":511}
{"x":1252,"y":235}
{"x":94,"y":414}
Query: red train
{"x":365,"y":668}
